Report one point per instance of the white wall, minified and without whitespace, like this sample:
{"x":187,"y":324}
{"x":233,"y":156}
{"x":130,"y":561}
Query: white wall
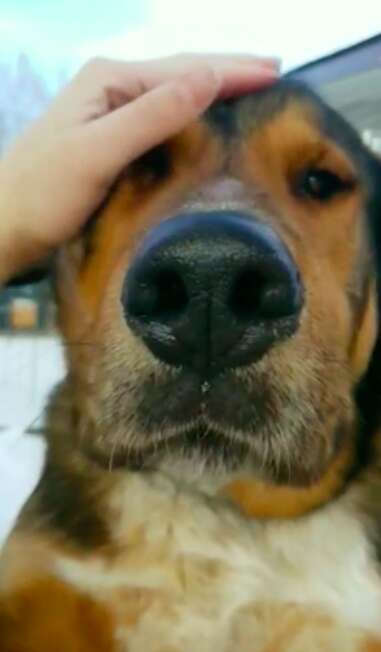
{"x":29,"y":367}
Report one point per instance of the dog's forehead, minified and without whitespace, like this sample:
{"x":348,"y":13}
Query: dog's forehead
{"x":238,"y":117}
{"x":211,"y":149}
{"x":235,"y":124}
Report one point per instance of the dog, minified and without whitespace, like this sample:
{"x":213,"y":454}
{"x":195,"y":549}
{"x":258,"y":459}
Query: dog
{"x":213,"y":474}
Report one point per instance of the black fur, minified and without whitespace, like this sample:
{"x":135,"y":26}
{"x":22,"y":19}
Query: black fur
{"x":64,"y":499}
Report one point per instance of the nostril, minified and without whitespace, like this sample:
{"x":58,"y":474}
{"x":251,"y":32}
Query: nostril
{"x":257,"y":294}
{"x":172,"y":296}
{"x":246,"y":294}
{"x":163,"y":296}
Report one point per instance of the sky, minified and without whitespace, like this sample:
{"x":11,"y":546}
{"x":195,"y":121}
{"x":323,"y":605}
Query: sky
{"x":56,"y":32}
{"x":64,"y":24}
{"x":53,"y":32}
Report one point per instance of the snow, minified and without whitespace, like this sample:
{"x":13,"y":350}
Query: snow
{"x":21,"y":459}
{"x":29,"y":368}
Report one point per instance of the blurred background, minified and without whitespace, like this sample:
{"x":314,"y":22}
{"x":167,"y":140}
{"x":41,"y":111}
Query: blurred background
{"x":336,"y":46}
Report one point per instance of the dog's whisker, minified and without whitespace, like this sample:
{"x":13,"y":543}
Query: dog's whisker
{"x":112,"y":454}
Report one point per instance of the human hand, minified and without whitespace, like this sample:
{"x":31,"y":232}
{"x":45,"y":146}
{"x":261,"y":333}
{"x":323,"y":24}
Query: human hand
{"x":59,"y":170}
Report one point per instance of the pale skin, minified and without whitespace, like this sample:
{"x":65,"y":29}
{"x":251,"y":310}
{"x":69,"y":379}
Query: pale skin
{"x":59,"y":170}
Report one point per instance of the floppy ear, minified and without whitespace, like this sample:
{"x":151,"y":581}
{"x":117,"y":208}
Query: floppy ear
{"x":368,"y":393}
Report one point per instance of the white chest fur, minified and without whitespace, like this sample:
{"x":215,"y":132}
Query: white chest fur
{"x":212,"y":563}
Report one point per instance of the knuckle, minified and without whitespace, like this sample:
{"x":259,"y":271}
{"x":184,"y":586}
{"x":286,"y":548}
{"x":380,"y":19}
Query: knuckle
{"x":173,"y":97}
{"x":181,"y":96}
{"x":179,"y":104}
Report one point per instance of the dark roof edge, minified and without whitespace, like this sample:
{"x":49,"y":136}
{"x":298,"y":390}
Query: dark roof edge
{"x":355,"y":58}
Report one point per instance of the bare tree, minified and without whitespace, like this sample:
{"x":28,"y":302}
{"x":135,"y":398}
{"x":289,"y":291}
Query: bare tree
{"x":24,"y":93}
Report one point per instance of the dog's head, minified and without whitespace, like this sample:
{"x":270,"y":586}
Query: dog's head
{"x":220,"y":310}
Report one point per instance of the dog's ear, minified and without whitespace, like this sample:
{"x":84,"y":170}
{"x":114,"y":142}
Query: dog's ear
{"x":369,"y":390}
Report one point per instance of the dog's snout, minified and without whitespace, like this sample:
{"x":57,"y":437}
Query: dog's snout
{"x":211,"y":291}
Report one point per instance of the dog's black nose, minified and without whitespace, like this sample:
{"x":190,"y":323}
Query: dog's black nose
{"x":211,"y":291}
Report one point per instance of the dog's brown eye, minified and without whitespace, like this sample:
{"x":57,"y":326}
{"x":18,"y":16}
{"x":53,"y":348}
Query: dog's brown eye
{"x":321,"y":185}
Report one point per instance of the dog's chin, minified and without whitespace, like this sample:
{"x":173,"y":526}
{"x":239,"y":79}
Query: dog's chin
{"x":194,"y":427}
{"x":232,"y":427}
{"x":197,"y":455}
{"x":200,"y":445}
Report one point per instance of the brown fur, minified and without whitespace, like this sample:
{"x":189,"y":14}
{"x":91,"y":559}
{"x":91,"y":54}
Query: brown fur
{"x":256,"y":501}
{"x":46,"y":612}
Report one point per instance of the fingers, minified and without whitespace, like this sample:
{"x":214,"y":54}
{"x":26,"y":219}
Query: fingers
{"x":135,"y":78}
{"x":117,"y":138}
{"x":235,"y":80}
{"x":103,"y":85}
{"x":138,"y":77}
{"x":244,"y":79}
{"x":152,"y":73}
